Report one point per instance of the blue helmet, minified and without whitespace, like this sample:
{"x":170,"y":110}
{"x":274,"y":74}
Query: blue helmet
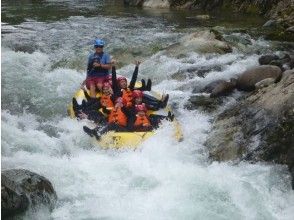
{"x":99,"y":43}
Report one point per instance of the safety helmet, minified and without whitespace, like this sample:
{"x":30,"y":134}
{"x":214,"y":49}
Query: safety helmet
{"x":137,"y":94}
{"x":141,"y":107}
{"x":120,"y":78}
{"x":99,"y":43}
{"x":106,"y":85}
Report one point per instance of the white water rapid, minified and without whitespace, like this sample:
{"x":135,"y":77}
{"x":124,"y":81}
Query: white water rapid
{"x":163,"y":179}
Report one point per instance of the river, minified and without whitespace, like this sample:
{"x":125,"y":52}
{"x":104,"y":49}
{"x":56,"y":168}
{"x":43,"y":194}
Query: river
{"x":45,"y":45}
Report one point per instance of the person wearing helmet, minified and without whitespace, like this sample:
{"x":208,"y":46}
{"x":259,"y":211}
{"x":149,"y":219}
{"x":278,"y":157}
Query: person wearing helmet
{"x":138,"y":98}
{"x":123,"y":83}
{"x":107,"y":98}
{"x":99,"y":64}
{"x":144,"y":122}
{"x":120,"y":84}
{"x":117,"y":120}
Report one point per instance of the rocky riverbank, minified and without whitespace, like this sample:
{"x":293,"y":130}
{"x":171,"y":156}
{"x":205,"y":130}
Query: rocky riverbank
{"x":259,"y":127}
{"x":279,"y":12}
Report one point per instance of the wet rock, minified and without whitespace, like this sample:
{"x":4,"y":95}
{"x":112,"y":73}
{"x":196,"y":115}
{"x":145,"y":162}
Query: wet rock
{"x":290,"y":29}
{"x":249,"y":78}
{"x":258,"y":128}
{"x":12,"y":202}
{"x":199,"y":17}
{"x":264,"y":83}
{"x":208,"y":88}
{"x":203,"y":103}
{"x":201,"y":42}
{"x":284,"y":62}
{"x":270,"y":23}
{"x":191,"y":72}
{"x":223,"y":88}
{"x":138,"y":3}
{"x":22,"y":189}
{"x":266,"y":59}
{"x":156,"y":3}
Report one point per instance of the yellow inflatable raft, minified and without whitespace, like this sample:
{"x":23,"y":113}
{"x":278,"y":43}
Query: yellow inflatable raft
{"x":123,"y":139}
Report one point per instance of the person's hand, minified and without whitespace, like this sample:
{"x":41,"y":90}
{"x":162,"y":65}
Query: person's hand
{"x":113,"y":62}
{"x":96,"y":64}
{"x":83,"y":84}
{"x":137,"y":62}
{"x":82,"y":115}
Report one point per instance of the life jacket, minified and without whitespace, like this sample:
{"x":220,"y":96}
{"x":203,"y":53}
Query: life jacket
{"x":118,"y":117}
{"x":142,"y":121}
{"x":106,"y":101}
{"x":127,"y":95}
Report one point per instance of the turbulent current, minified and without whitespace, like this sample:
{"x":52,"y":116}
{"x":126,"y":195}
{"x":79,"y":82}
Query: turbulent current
{"x":43,"y":63}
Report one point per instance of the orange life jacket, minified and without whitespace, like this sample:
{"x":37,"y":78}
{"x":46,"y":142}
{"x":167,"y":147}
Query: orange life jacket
{"x":106,"y":101}
{"x":142,"y":121}
{"x":118,"y":117}
{"x":127,"y":95}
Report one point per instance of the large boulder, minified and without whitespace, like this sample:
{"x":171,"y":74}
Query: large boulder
{"x":148,"y":3}
{"x":203,"y":103}
{"x":284,"y":62}
{"x":249,"y":78}
{"x":21,"y":189}
{"x":200,"y":42}
{"x":258,"y":128}
{"x":220,"y":88}
{"x":266,"y":59}
{"x":156,"y":3}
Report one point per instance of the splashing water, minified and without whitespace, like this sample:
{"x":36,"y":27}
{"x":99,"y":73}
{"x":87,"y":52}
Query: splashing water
{"x":43,"y":64}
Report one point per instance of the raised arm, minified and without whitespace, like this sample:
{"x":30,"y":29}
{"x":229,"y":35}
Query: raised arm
{"x":134,"y":76}
{"x":116,"y":90}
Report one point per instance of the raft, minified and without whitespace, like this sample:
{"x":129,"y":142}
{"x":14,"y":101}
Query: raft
{"x":117,"y":140}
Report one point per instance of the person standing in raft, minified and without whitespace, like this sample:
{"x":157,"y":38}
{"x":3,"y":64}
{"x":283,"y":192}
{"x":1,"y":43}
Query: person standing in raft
{"x":99,"y":64}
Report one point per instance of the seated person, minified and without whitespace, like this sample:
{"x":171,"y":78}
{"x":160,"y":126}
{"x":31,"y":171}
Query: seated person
{"x":123,"y":84}
{"x":107,"y":98}
{"x":141,"y":119}
{"x":139,"y":97}
{"x":117,"y":120}
{"x":89,"y":111}
{"x":142,"y":122}
{"x":120,"y":84}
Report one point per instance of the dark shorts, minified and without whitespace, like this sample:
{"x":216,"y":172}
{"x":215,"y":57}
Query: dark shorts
{"x":94,"y":80}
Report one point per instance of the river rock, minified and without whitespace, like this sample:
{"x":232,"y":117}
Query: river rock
{"x":249,"y":78}
{"x":138,"y":3}
{"x":22,"y":189}
{"x":290,"y":29}
{"x":259,"y":127}
{"x":266,"y":59}
{"x":201,"y":42}
{"x":203,"y":103}
{"x":12,"y":202}
{"x":156,"y":3}
{"x":270,"y":23}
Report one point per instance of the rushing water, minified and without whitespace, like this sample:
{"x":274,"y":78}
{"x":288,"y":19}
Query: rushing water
{"x":45,"y":45}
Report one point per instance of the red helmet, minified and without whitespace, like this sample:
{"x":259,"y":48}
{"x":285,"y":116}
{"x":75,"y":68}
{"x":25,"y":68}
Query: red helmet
{"x":106,"y":85}
{"x":137,"y":94}
{"x":141,"y":107}
{"x":120,"y":78}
